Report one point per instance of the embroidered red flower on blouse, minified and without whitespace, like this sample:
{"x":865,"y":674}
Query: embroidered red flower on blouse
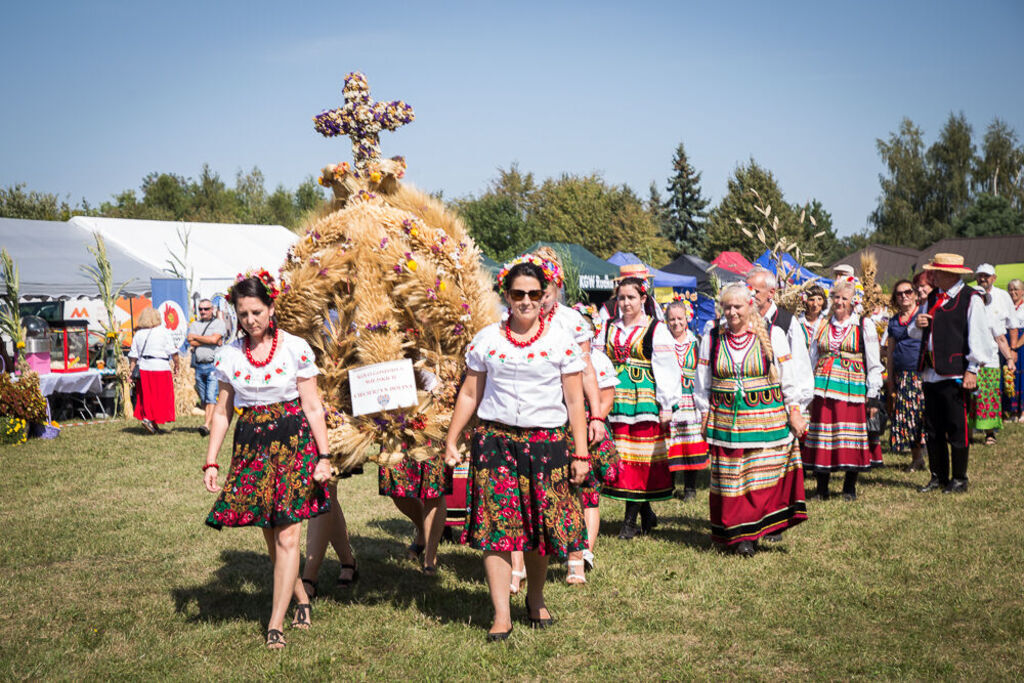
{"x":266,"y":378}
{"x":568,"y":352}
{"x":543,"y":354}
{"x":279,"y":370}
{"x":238,"y":373}
{"x":529,"y":356}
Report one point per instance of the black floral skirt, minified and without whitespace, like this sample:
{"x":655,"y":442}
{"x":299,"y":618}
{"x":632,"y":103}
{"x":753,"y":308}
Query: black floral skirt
{"x":271,"y":478}
{"x":520,"y":495}
{"x":427,"y":480}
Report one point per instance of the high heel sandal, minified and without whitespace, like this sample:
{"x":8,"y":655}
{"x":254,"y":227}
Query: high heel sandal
{"x":346,"y":583}
{"x":302,"y":619}
{"x":515,"y":588}
{"x":538,"y":621}
{"x":575,"y":577}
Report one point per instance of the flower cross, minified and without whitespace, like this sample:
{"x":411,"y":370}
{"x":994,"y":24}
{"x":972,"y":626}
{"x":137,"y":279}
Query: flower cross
{"x":362,"y":119}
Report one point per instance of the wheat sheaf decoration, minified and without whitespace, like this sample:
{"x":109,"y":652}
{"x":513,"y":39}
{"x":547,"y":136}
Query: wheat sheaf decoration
{"x":389,"y":273}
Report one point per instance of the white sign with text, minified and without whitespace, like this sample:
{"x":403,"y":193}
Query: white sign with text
{"x":382,"y":386}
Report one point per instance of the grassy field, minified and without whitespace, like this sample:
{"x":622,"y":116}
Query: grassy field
{"x":108,"y":572}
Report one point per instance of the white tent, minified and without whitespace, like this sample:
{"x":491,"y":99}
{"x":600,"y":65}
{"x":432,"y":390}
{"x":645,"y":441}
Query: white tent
{"x":49,"y":256}
{"x":216,"y":251}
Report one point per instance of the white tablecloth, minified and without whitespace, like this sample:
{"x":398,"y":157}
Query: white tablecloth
{"x":85,"y":382}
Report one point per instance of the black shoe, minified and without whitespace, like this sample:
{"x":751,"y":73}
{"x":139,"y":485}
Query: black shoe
{"x":346,"y":583}
{"x":772,"y":538}
{"x":745,"y":549}
{"x":689,"y":494}
{"x":204,"y":431}
{"x":497,"y":637}
{"x":956,"y":486}
{"x":648,"y":520}
{"x":538,"y":622}
{"x":933,"y":485}
{"x":849,"y":497}
{"x":629,"y":531}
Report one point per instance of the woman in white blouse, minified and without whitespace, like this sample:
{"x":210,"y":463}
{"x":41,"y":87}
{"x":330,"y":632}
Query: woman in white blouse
{"x":153,"y":352}
{"x":280,"y":458}
{"x":751,"y":404}
{"x":523,"y":382}
{"x":847,"y":372}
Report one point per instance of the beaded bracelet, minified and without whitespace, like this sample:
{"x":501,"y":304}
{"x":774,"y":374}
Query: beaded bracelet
{"x":585,"y":458}
{"x":209,"y":465}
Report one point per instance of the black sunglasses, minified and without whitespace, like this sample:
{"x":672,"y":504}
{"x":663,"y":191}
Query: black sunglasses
{"x":205,"y":308}
{"x":519,"y":294}
{"x":904,"y":292}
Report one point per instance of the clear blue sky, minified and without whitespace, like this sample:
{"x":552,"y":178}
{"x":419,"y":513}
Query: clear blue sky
{"x":98,"y":94}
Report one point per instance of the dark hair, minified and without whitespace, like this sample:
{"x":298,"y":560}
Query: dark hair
{"x":641,"y":285}
{"x":892,"y":297}
{"x":250,"y":286}
{"x":524,"y":269}
{"x":815,"y":290}
{"x":644,"y":287}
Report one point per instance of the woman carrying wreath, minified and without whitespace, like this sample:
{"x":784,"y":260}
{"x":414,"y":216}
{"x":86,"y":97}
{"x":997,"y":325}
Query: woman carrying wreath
{"x":523,"y":382}
{"x":687,"y":450}
{"x":847,"y":372}
{"x":903,"y":382}
{"x":280,"y":458}
{"x":643,"y":353}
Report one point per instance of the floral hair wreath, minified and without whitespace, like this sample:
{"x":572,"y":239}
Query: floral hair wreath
{"x":679,"y":299}
{"x":590,"y":312}
{"x":858,"y":287}
{"x":263,"y":276}
{"x":552,"y":273}
{"x":751,"y":294}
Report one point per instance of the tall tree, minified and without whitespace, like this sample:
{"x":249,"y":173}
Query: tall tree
{"x":999,"y":167}
{"x":724,"y":231}
{"x":949,"y":162}
{"x":685,"y":207}
{"x":15,"y":202}
{"x":819,"y":234}
{"x":497,"y":225}
{"x":990,"y":215}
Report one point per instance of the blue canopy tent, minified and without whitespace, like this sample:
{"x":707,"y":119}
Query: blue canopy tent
{"x":661,"y":278}
{"x":790,"y":266}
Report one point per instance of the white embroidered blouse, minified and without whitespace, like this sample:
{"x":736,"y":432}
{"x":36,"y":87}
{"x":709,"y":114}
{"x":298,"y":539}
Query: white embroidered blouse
{"x":523,"y":387}
{"x":272,"y":383}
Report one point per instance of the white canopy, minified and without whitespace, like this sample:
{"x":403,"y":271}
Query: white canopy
{"x":49,"y":256}
{"x":216,"y":251}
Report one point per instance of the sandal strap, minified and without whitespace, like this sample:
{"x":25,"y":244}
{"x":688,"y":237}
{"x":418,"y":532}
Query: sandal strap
{"x":275,"y":637}
{"x":347,"y":566}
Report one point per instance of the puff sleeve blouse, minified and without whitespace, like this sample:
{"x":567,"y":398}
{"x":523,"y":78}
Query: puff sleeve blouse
{"x":272,"y":383}
{"x":523,"y":387}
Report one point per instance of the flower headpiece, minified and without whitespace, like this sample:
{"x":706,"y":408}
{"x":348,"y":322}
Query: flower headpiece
{"x":858,"y":288}
{"x":679,"y":299}
{"x":263,"y":276}
{"x":552,"y":273}
{"x":590,"y":312}
{"x":751,"y":294}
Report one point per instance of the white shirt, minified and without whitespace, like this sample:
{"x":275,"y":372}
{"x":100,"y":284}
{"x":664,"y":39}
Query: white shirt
{"x":795,"y":390}
{"x":981,"y":345}
{"x":604,"y":370}
{"x":572,"y":322}
{"x":1018,"y":316}
{"x":272,"y":383}
{"x":1000,"y":310}
{"x":811,"y":329}
{"x":664,"y":365}
{"x":796,"y":340}
{"x":873,"y":371}
{"x":153,"y":348}
{"x":523,"y":387}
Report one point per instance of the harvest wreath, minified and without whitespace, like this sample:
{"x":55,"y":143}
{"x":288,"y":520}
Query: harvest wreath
{"x":388,"y":274}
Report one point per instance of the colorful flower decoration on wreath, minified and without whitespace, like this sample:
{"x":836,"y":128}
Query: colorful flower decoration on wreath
{"x":552,"y":273}
{"x":858,"y":288}
{"x":263,"y":276}
{"x":678,"y":299}
{"x":751,"y":294}
{"x":590,"y":312}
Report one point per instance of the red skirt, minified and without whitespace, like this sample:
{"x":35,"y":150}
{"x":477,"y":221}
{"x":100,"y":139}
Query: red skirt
{"x":837,"y":437}
{"x":755,"y":492}
{"x":154,"y":396}
{"x":643,"y":463}
{"x":456,"y":499}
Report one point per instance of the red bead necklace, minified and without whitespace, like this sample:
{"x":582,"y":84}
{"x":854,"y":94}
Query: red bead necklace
{"x":738,"y":341}
{"x":524,"y":344}
{"x":551,"y":313}
{"x":621,"y":351}
{"x":270,"y":356}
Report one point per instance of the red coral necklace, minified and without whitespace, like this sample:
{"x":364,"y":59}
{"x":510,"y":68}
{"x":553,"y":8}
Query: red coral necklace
{"x":738,"y":341}
{"x":621,"y":350}
{"x":524,"y":344}
{"x":270,"y":356}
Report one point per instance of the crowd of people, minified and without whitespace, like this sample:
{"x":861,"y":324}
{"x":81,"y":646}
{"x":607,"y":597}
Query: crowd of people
{"x":563,"y":406}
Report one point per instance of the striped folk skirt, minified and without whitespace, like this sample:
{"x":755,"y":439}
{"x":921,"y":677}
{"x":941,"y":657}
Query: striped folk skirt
{"x":456,"y":502}
{"x":837,"y":438}
{"x":643,"y":463}
{"x":755,"y":492}
{"x":687,"y":449}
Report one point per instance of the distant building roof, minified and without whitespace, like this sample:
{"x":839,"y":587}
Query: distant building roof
{"x":997,"y":249}
{"x":893,"y":262}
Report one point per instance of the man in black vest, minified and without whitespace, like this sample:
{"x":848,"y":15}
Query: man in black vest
{"x":955,"y":341}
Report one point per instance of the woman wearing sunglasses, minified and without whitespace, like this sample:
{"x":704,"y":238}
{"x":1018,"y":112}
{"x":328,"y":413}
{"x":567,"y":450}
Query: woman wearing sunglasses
{"x":643,"y":353}
{"x":906,"y":395}
{"x":523,"y":382}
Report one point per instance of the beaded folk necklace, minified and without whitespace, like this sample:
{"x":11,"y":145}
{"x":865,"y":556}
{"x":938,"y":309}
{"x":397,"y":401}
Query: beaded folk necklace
{"x":270,"y":356}
{"x":620,"y":350}
{"x":524,"y":344}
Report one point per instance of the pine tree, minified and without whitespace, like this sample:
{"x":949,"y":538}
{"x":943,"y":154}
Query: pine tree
{"x":685,"y":214}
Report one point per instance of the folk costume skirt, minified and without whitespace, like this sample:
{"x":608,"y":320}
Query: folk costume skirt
{"x":271,"y":478}
{"x":837,"y":438}
{"x":427,"y":480}
{"x":1014,"y":405}
{"x":643,"y":463}
{"x":687,"y":449}
{"x":907,"y":427}
{"x":154,"y":399}
{"x":520,"y":496}
{"x":604,"y":469}
{"x":456,"y":501}
{"x":755,"y":492}
{"x":988,"y":409}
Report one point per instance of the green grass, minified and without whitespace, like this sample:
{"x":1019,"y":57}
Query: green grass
{"x":107,"y":571}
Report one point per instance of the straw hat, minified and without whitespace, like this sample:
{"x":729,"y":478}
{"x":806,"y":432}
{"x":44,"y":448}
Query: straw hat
{"x":950,"y":263}
{"x":637,"y":270}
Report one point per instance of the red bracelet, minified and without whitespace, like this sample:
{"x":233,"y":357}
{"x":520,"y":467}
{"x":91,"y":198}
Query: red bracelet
{"x":585,"y":458}
{"x":209,"y":465}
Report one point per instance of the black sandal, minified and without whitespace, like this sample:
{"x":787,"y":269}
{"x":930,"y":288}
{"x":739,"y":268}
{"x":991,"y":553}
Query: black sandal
{"x":302,"y":619}
{"x":429,"y":570}
{"x":538,"y":621}
{"x":311,"y":589}
{"x":275,"y":640}
{"x":345,"y":583}
{"x":414,"y":551}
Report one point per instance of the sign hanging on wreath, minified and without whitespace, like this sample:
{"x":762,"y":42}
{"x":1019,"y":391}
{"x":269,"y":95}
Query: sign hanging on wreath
{"x":382,"y":386}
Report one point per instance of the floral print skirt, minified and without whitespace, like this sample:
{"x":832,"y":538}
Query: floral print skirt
{"x":988,"y":407}
{"x":271,"y":478}
{"x":907,"y":428}
{"x":604,"y":469}
{"x":427,"y":480}
{"x":520,"y":496}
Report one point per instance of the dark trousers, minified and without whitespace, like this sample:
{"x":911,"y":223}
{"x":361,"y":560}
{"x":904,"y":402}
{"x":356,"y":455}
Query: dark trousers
{"x":945,"y":428}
